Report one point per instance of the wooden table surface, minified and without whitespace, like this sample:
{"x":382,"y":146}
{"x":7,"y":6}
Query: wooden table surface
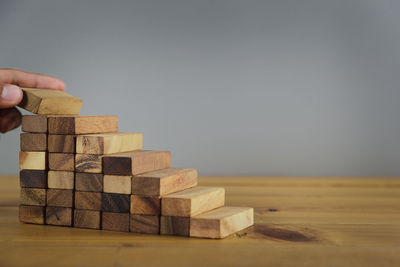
{"x":298,"y":222}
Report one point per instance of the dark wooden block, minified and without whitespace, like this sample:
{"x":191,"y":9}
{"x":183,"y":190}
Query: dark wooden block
{"x":88,"y":200}
{"x":59,"y":216}
{"x":33,"y":196}
{"x":33,"y":178}
{"x":115,"y":202}
{"x":145,"y":205}
{"x":60,"y":198}
{"x":87,"y":219}
{"x":145,"y":224}
{"x":31,"y":214}
{"x":87,"y":163}
{"x":61,"y":161}
{"x":34,"y":124}
{"x":59,"y":143}
{"x":90,"y":182}
{"x":115,"y":221}
{"x":33,"y":142}
{"x":174,"y":225}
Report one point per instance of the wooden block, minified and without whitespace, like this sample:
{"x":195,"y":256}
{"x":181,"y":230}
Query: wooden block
{"x":173,"y":225}
{"x":49,"y":102}
{"x":117,"y":184}
{"x":115,"y":202}
{"x":33,"y":178}
{"x":145,"y":224}
{"x":33,"y":142}
{"x":145,"y":205}
{"x":61,"y":162}
{"x":32,"y":160}
{"x":61,"y":143}
{"x":115,"y":221}
{"x":88,"y":163}
{"x":88,"y":200}
{"x":60,"y":180}
{"x":33,"y":196}
{"x":59,"y":216}
{"x":31,"y":214}
{"x":165,"y":181}
{"x":136,"y":162}
{"x":90,"y":182}
{"x":87,"y":219}
{"x":221,"y":222}
{"x":108,"y":143}
{"x":34,"y":124}
{"x":60,"y":198}
{"x":193,"y":201}
{"x":73,"y":125}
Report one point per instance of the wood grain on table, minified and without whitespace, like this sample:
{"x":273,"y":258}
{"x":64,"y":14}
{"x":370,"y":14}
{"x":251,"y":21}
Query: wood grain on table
{"x":298,"y":222}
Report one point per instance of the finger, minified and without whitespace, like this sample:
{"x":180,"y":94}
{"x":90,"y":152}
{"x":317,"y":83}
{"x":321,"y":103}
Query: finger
{"x":10,"y":95}
{"x":27,"y":79}
{"x":9,"y":119}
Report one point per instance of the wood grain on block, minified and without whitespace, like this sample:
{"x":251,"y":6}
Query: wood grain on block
{"x":34,"y":124}
{"x":59,"y":216}
{"x":73,"y":125}
{"x":115,"y":202}
{"x":32,"y":160}
{"x":165,"y":181}
{"x":136,"y":162}
{"x":88,"y":163}
{"x":60,"y":180}
{"x":33,"y":178}
{"x":49,"y":102}
{"x":90,"y":182}
{"x":31,"y":214}
{"x":173,"y":225}
{"x":221,"y":222}
{"x":87,"y":219}
{"x":61,"y":161}
{"x":117,"y":184}
{"x":115,"y":221}
{"x":193,"y":201}
{"x":145,"y":224}
{"x":60,"y":198}
{"x":33,"y":196}
{"x":145,"y":205}
{"x":33,"y":142}
{"x":88,"y":200}
{"x":108,"y":143}
{"x":61,"y":143}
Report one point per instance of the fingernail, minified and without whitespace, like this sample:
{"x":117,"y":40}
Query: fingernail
{"x":11,"y":92}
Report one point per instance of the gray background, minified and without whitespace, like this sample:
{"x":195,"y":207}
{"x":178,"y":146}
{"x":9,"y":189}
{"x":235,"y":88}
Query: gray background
{"x":230,"y":87}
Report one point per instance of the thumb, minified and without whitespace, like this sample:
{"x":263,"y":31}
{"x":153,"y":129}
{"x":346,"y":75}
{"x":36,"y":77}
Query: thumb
{"x":10,"y":95}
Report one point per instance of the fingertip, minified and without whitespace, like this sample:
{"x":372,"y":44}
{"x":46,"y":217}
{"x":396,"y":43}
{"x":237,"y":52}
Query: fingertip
{"x":10,"y":96}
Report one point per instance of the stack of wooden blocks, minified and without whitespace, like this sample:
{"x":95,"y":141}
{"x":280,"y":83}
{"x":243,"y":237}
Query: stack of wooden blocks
{"x":79,"y":171}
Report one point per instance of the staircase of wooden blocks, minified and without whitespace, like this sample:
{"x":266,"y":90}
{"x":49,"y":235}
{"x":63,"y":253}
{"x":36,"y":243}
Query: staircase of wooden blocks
{"x":79,"y":171}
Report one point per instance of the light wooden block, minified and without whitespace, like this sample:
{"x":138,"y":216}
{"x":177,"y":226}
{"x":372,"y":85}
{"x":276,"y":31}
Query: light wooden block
{"x":136,"y":162}
{"x":90,"y":182}
{"x":108,"y":143}
{"x":88,"y":200}
{"x":163,"y":182}
{"x":145,"y":224}
{"x":61,"y":161}
{"x":33,"y":142}
{"x":60,"y":180}
{"x":60,"y":198}
{"x":33,"y":196}
{"x":173,"y":225}
{"x":31,"y":214}
{"x":88,"y":163}
{"x":115,"y":203}
{"x":145,"y":205}
{"x":117,"y":184}
{"x":193,"y":201}
{"x":87,"y":219}
{"x":221,"y":222}
{"x":59,"y":216}
{"x":61,"y":143}
{"x":34,"y":124}
{"x":32,"y":160}
{"x":33,"y":178}
{"x":73,"y":125}
{"x":49,"y":102}
{"x":115,"y":221}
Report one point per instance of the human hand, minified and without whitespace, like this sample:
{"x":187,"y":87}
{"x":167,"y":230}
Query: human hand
{"x":11,"y":95}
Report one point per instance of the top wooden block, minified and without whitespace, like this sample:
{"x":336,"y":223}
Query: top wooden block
{"x":50,"y":102}
{"x":82,"y":124}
